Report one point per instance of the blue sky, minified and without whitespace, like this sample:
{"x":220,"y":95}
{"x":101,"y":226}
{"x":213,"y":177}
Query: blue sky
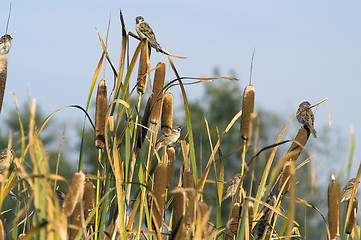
{"x":305,"y":50}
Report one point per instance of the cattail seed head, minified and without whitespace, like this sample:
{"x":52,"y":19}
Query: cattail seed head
{"x":75,"y":190}
{"x":247,"y":110}
{"x":250,"y":214}
{"x":101,"y":114}
{"x":157,"y":93}
{"x":143,"y":68}
{"x":179,"y":210}
{"x":76,"y":221}
{"x":202,"y":215}
{"x":301,"y":138}
{"x":231,"y":231}
{"x":353,"y":216}
{"x":167,"y":113}
{"x":188,"y":182}
{"x":285,"y":178}
{"x":334,"y":208}
{"x":89,"y":200}
{"x":159,"y":186}
{"x":170,"y":165}
{"x":3,"y":77}
{"x":145,"y":121}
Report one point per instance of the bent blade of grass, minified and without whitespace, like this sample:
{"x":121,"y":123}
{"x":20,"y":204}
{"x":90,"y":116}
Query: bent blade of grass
{"x":188,"y":120}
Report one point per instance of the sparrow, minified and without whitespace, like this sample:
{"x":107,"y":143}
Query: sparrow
{"x":5,"y":44}
{"x":4,"y":155}
{"x":145,"y":32}
{"x":170,"y":139}
{"x":232,"y":186}
{"x":305,"y":117}
{"x":347,"y":190}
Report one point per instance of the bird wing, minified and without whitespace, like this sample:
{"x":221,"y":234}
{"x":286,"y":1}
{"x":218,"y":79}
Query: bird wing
{"x":147,"y":31}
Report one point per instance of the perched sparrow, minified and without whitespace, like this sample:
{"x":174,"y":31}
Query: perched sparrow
{"x":347,"y":190}
{"x":145,"y":31}
{"x":232,"y":186}
{"x":6,"y":153}
{"x":305,"y":116}
{"x":5,"y":44}
{"x":169,"y":139}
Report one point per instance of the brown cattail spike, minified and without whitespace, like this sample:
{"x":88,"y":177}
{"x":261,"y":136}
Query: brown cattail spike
{"x":188,"y":182}
{"x":167,"y":113}
{"x":75,"y":190}
{"x":179,"y":209}
{"x":89,"y":200}
{"x":284,"y":183}
{"x":157,"y":93}
{"x":101,"y":114}
{"x":143,"y":68}
{"x":334,"y":208}
{"x":170,"y":166}
{"x":353,"y":216}
{"x":76,"y":221}
{"x":159,"y":186}
{"x":3,"y":76}
{"x":231,"y":231}
{"x":202,"y":214}
{"x":299,"y":143}
{"x":145,"y":121}
{"x":247,"y":110}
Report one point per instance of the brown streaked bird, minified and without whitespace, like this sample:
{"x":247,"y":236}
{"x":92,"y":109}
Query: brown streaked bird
{"x":145,"y":32}
{"x":5,"y":44}
{"x":232,"y":186}
{"x":347,"y":190}
{"x":4,"y":155}
{"x":169,"y":139}
{"x":305,"y":116}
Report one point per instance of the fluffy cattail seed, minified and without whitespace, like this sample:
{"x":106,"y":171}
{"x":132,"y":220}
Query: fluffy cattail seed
{"x":75,"y":190}
{"x":334,"y":208}
{"x":188,"y":182}
{"x":143,"y":68}
{"x":167,"y":113}
{"x":157,"y":93}
{"x":101,"y":114}
{"x":247,"y":110}
{"x":159,"y":186}
{"x":353,"y":216}
{"x":89,"y":200}
{"x":170,"y":165}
